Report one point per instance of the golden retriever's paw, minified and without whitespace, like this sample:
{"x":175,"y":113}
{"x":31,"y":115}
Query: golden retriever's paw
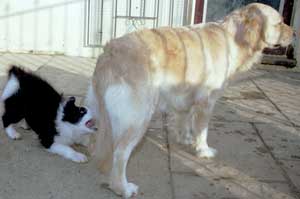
{"x":128,"y":190}
{"x":207,"y":153}
{"x":131,"y":190}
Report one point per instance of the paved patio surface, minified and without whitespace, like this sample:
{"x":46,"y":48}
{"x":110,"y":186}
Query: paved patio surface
{"x":255,"y":128}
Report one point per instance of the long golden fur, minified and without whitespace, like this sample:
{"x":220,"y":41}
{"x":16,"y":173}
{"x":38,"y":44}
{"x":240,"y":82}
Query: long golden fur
{"x":183,"y":70}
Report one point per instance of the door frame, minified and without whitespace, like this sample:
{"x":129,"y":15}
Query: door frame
{"x":200,"y":11}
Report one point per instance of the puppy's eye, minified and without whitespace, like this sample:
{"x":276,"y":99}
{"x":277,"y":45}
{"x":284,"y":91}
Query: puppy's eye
{"x":82,"y":110}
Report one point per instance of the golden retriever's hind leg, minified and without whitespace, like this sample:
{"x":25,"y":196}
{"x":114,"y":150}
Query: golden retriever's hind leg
{"x":129,"y":113}
{"x":122,"y":152}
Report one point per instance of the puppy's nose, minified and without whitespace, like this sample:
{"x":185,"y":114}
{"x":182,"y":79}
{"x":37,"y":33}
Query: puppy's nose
{"x":83,"y":110}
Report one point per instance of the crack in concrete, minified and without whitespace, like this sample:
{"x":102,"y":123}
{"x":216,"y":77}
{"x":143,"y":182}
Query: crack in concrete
{"x":46,"y":63}
{"x":293,"y":188}
{"x":274,"y":104}
{"x":186,"y":173}
{"x":166,"y":131}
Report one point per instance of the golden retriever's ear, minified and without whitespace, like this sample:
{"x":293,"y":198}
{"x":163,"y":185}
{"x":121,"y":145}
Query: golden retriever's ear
{"x":250,"y":29}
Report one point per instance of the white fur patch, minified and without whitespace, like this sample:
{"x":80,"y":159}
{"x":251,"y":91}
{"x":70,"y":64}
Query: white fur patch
{"x":123,"y":109}
{"x":64,"y":130}
{"x":11,"y":87}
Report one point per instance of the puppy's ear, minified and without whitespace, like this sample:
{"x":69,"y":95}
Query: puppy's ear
{"x":71,"y":100}
{"x":250,"y":29}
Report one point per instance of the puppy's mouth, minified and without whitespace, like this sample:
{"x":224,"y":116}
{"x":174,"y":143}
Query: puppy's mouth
{"x":91,"y":124}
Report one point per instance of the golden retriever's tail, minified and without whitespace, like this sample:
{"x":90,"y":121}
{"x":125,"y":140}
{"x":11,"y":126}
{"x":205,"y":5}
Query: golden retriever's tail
{"x":91,"y":102}
{"x":101,"y":144}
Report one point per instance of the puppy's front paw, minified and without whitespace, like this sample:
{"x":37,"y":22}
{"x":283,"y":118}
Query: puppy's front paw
{"x":207,"y":152}
{"x":15,"y":136}
{"x":12,"y":133}
{"x":79,"y":157}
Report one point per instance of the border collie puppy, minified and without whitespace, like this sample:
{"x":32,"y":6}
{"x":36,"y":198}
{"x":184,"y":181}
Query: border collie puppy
{"x":58,"y":123}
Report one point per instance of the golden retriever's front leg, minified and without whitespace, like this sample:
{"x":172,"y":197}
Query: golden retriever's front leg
{"x":201,"y":146}
{"x":200,"y":119}
{"x":182,"y":128}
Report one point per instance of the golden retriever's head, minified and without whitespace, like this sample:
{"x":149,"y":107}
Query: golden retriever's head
{"x":258,"y":26}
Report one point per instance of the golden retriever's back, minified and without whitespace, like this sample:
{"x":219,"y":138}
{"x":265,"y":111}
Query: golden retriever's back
{"x":176,"y":55}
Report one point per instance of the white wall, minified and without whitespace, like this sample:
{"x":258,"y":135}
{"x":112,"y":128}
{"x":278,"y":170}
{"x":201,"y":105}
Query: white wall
{"x":57,"y":26}
{"x":43,"y":26}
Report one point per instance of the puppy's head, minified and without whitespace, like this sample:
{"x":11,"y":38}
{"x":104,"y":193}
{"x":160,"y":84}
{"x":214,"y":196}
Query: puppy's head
{"x":258,"y":26}
{"x":80,"y":117}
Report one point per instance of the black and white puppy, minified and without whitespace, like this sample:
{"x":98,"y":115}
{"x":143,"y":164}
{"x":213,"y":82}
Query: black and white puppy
{"x":58,"y":123}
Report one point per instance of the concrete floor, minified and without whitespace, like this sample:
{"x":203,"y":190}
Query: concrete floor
{"x":255,"y":127}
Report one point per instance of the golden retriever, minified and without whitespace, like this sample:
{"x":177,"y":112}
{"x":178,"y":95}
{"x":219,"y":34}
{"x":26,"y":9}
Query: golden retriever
{"x":183,"y":70}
